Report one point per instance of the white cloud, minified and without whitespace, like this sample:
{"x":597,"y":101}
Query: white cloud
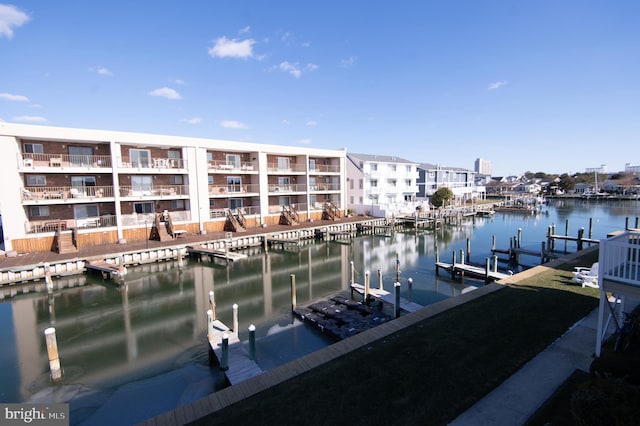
{"x":497,"y":85}
{"x":285,"y":122}
{"x":100,"y":70}
{"x":180,"y":82}
{"x":245,"y":30}
{"x":233,"y":124}
{"x":311,"y":123}
{"x":305,"y":141}
{"x":294,"y":68}
{"x":13,"y":98}
{"x":29,"y":119}
{"x":225,"y":48}
{"x":11,"y":17}
{"x":165,"y":92}
{"x":349,"y":62}
{"x":193,"y":120}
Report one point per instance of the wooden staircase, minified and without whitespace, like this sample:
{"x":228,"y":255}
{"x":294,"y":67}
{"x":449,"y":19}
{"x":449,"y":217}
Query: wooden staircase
{"x":160,"y":230}
{"x":289,"y":216}
{"x":330,"y":211}
{"x":64,"y":240}
{"x":235,"y":223}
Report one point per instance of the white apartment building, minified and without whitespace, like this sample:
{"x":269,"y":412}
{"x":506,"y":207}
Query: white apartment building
{"x":483,"y":167}
{"x":462,"y":182}
{"x":380,"y":185}
{"x":103,"y":186}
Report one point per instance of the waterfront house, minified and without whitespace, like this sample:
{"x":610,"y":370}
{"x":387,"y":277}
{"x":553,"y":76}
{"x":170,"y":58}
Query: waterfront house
{"x":461,"y":182}
{"x":381,"y":185}
{"x":73,"y":187}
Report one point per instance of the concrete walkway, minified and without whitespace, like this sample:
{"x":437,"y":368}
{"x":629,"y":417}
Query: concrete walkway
{"x":518,"y":398}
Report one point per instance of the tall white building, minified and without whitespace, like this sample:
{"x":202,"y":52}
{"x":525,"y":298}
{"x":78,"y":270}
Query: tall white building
{"x":380,"y":185}
{"x":102,"y":186}
{"x":483,"y":167}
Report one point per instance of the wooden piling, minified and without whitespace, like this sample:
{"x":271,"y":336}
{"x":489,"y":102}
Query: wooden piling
{"x":366,"y":286}
{"x":252,"y":342}
{"x":212,"y":304}
{"x":224,"y":359}
{"x":396,"y":305}
{"x":292,"y":279}
{"x":235,"y":318}
{"x":52,"y":352}
{"x":380,"y":287}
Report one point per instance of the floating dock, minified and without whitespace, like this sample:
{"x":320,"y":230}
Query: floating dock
{"x":241,"y":367}
{"x":340,"y":317}
{"x":106,"y":268}
{"x":471,"y":271}
{"x":387,"y":297}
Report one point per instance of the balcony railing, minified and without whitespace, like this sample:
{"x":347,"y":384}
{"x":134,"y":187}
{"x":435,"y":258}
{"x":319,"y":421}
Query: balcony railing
{"x":246,"y":211}
{"x":299,"y":207}
{"x":32,"y":193}
{"x":233,"y":189}
{"x":278,"y":189}
{"x":324,"y":187}
{"x":153,"y":163}
{"x":291,"y":168}
{"x":325,"y":168}
{"x":63,"y":161}
{"x":154,"y":191}
{"x":41,"y":226}
{"x":223,"y":166}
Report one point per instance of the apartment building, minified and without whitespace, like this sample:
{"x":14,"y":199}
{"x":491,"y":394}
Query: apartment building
{"x":462,"y":182}
{"x":380,"y":185}
{"x":103,"y":186}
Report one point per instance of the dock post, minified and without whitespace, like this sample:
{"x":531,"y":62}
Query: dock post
{"x":224,"y":358}
{"x":566,"y":234}
{"x":495,"y":263}
{"x":396,"y":305}
{"x":519,"y":237}
{"x":252,"y":342}
{"x":542,"y":253}
{"x":47,"y":277}
{"x":380,"y":279}
{"x":52,"y":352}
{"x":212,"y":304}
{"x":366,"y":286}
{"x":468,"y":247}
{"x":580,"y":237}
{"x":626,"y":223}
{"x":591,"y":227}
{"x":453,"y":265}
{"x":352,"y":271}
{"x":180,"y":258}
{"x":410,"y":290}
{"x":235,"y":318}
{"x":493,"y":243}
{"x":292,"y":279}
{"x":487,"y":267}
{"x":437,"y":262}
{"x":210,"y":324}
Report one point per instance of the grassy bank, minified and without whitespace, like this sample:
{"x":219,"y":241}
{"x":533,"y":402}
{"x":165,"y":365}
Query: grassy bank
{"x":432,"y":371}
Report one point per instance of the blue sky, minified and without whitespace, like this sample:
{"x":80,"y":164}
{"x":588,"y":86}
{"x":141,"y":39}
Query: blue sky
{"x":530,"y":85}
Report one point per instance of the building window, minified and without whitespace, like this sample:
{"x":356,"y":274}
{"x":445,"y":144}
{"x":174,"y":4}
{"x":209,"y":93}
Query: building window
{"x":175,"y":180}
{"x":351,"y":199}
{"x":374,"y":167}
{"x":392,"y":167}
{"x":33,"y":148}
{"x":210,"y":179}
{"x":360,"y":200}
{"x":140,"y":157}
{"x":409,"y":169}
{"x":361,"y":184}
{"x":233,"y":160}
{"x":391,"y":182}
{"x":143,"y":208}
{"x":39,"y":211}
{"x":284,"y":163}
{"x":177,"y":205}
{"x":141,"y":185}
{"x":312,"y":164}
{"x":408,"y":182}
{"x":36,"y":180}
{"x":234,"y":184}
{"x":209,"y":156}
{"x":351,"y":184}
{"x":374,"y":183}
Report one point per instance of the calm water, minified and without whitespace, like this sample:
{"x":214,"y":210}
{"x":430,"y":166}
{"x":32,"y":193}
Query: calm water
{"x":146,"y":340}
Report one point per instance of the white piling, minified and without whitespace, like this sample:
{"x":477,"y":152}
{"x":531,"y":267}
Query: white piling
{"x":292,"y":278}
{"x":235,"y":318}
{"x":52,"y":352}
{"x":47,"y":277}
{"x":210,"y":324}
{"x":212,"y":304}
{"x":353,"y":272}
{"x":366,"y":286}
{"x":380,"y":278}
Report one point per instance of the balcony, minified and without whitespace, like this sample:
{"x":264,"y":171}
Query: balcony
{"x":275,"y":168}
{"x":324,"y":187}
{"x":168,"y":164}
{"x":224,"y":167}
{"x":32,"y":161}
{"x":324,"y":168}
{"x":43,"y":226}
{"x":53,"y":194}
{"x":234,"y":190}
{"x":287,"y":188}
{"x":246,"y":211}
{"x":155,"y":191}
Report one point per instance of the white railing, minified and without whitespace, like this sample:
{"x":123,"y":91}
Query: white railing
{"x":34,"y":160}
{"x":619,"y":258}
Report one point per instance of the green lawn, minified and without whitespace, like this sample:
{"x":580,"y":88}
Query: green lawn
{"x":430,"y":372}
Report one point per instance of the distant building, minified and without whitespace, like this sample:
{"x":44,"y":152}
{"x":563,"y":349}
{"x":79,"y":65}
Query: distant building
{"x":462,"y":182}
{"x":628,"y":168}
{"x":602,"y":169}
{"x":380,"y":185}
{"x":483,"y":167}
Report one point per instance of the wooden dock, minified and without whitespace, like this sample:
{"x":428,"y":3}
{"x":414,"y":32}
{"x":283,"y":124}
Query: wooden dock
{"x":471,"y":271}
{"x":105,"y":268}
{"x":282,"y":242}
{"x":240,"y":366}
{"x":227,"y":255}
{"x":387,"y":297}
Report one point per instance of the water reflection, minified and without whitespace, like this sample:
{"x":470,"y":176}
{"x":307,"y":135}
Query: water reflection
{"x":155,"y":322}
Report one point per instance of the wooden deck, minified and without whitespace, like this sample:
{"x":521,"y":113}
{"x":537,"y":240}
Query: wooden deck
{"x":241,"y":367}
{"x":216,"y":253}
{"x":471,"y":271}
{"x":387,"y":297}
{"x":105,"y":267}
